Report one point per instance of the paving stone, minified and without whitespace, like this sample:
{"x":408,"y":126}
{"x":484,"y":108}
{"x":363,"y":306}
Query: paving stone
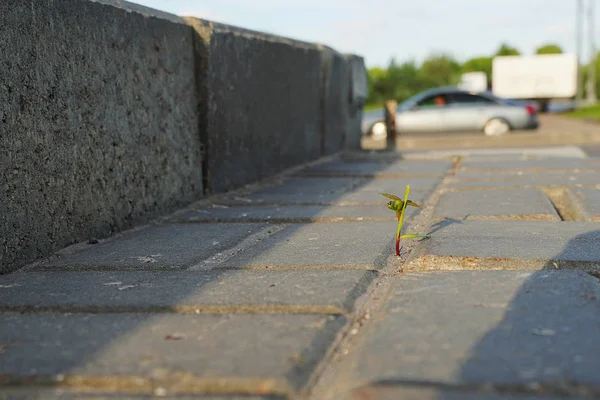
{"x":370,"y":167}
{"x":420,"y":189}
{"x":510,"y":328}
{"x":58,"y":394}
{"x":513,"y":203}
{"x":526,"y":180}
{"x":589,"y":200}
{"x":261,"y":354}
{"x":542,"y":164}
{"x":517,"y":174}
{"x":296,"y":190}
{"x":540,"y":240}
{"x":500,"y":154}
{"x":168,"y":245}
{"x":341,"y":244}
{"x":412,"y":391}
{"x":309,"y":291}
{"x":289,"y":213}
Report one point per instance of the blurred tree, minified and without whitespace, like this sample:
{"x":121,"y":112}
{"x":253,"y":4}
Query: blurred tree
{"x":506,"y":50}
{"x":549,"y":48}
{"x":479,"y":64}
{"x":377,"y":85}
{"x":439,"y":70}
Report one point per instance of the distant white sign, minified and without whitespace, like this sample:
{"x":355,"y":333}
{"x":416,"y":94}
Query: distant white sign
{"x":535,"y":77}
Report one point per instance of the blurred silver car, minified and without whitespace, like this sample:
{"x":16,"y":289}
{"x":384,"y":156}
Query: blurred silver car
{"x":450,"y":109}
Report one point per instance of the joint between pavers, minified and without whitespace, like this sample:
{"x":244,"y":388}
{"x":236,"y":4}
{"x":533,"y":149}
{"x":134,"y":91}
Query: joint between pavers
{"x":448,"y":189}
{"x":558,"y":388}
{"x":101,"y":268}
{"x":369,"y":267}
{"x":291,"y":220}
{"x":429,"y":262}
{"x":263,"y":309}
{"x":565,"y":204}
{"x":377,"y":175}
{"x":507,"y":217}
{"x":171,"y":383}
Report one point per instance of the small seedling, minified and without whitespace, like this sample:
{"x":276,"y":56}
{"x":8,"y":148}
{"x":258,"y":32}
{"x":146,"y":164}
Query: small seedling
{"x":398,"y":205}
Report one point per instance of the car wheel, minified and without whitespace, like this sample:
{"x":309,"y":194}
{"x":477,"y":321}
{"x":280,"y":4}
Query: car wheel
{"x":379,"y":131}
{"x":496,"y":127}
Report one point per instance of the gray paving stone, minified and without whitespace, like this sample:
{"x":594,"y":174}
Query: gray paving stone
{"x":540,"y":240}
{"x":541,"y":164}
{"x":500,"y":154}
{"x":271,"y":354}
{"x":517,"y":173}
{"x":370,"y":167}
{"x":289,"y":213}
{"x":187,"y":291}
{"x":168,"y":245}
{"x":526,"y":180}
{"x":428,"y":391}
{"x":589,"y":200}
{"x":485,"y":327}
{"x":296,"y":190}
{"x":514,"y":203}
{"x":340,"y":244}
{"x":420,"y":189}
{"x":58,"y":394}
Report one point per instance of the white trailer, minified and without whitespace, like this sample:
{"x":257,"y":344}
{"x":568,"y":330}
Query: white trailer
{"x":540,"y":78}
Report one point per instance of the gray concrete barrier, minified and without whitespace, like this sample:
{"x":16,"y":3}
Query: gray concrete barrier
{"x":260,"y":103}
{"x":113,"y":114}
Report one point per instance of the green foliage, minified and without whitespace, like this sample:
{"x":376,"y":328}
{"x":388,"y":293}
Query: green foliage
{"x":590,"y":112}
{"x":479,"y":64}
{"x":441,"y":70}
{"x":549,"y":48}
{"x":399,"y":81}
{"x":507,"y":50}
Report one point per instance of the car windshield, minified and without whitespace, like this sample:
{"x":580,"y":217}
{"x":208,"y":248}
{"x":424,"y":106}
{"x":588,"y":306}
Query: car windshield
{"x":411,"y":101}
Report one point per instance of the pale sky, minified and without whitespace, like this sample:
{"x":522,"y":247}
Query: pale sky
{"x":404,"y":29}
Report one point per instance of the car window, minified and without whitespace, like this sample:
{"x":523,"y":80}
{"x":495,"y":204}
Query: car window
{"x":467,"y":98}
{"x":438,"y":100}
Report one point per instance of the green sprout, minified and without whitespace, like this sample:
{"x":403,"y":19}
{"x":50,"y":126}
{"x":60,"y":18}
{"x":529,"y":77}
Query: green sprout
{"x":398,"y":205}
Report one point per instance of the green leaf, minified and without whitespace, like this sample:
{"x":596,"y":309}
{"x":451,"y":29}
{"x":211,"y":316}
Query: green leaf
{"x":413,"y":236}
{"x":404,"y":204}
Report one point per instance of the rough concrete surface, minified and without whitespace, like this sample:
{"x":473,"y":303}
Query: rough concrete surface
{"x":248,"y":134}
{"x":335,"y":85}
{"x":99,"y":123}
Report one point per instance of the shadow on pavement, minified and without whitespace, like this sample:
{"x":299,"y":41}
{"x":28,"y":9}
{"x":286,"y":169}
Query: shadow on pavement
{"x":548,"y":341}
{"x":67,"y":342}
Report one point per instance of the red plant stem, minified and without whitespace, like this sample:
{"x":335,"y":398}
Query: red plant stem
{"x":398,"y":246}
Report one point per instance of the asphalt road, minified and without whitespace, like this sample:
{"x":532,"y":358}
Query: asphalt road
{"x":554,"y":130}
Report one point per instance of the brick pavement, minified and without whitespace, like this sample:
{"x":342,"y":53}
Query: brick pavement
{"x":291,"y":289}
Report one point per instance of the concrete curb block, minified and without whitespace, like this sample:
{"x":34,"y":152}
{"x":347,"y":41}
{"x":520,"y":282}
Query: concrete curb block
{"x":116,"y":113}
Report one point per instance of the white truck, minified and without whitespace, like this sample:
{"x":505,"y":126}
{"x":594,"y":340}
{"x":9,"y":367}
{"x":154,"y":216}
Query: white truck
{"x":540,"y":78}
